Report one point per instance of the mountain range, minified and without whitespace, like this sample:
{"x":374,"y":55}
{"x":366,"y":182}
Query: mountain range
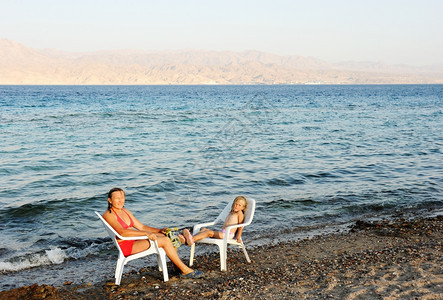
{"x":24,"y":65}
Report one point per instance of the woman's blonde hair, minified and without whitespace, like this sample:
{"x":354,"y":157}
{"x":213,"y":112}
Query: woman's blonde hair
{"x":239,"y":198}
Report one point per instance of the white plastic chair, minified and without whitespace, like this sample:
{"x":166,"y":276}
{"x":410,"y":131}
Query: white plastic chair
{"x":123,"y":260}
{"x":223,"y":243}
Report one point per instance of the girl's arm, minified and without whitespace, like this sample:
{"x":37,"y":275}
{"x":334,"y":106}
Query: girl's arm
{"x":241,"y":218}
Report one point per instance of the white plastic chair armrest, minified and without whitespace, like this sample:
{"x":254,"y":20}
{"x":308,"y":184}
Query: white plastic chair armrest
{"x":130,"y":238}
{"x":156,"y":246}
{"x":234,"y":226}
{"x":139,"y":238}
{"x":228,"y":228}
{"x":199,"y":226}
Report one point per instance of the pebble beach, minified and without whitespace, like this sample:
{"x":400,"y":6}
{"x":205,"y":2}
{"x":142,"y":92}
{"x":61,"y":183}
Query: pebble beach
{"x":395,"y":259}
{"x":315,"y":158}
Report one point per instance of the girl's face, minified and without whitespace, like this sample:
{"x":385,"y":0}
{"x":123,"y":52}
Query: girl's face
{"x":239,"y":205}
{"x":117,"y":199}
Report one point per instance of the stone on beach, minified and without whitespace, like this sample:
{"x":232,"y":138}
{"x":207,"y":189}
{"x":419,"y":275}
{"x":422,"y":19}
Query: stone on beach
{"x":400,"y":259}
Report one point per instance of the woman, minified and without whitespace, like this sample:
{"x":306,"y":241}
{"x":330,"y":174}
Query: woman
{"x":127,"y":225}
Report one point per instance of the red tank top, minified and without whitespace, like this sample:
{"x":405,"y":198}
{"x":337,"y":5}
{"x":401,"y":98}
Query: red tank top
{"x":123,"y":223}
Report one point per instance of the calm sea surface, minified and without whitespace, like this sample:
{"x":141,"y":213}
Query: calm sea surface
{"x":314,"y":157}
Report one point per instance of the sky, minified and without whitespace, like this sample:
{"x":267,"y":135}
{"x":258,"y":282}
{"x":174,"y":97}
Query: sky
{"x":388,"y":31}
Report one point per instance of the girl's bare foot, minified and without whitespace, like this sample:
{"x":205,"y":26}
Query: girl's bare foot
{"x":182,"y":238}
{"x":188,"y":236}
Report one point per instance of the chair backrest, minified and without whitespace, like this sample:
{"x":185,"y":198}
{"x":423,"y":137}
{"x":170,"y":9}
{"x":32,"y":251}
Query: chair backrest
{"x":111,"y":231}
{"x":249,"y":213}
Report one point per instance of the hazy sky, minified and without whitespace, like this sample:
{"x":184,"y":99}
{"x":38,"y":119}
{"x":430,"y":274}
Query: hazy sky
{"x":391,"y":31}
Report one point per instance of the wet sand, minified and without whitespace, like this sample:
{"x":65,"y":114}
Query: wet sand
{"x":398,"y":259}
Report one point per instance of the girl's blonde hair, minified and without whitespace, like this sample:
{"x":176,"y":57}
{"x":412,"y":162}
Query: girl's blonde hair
{"x":239,"y":198}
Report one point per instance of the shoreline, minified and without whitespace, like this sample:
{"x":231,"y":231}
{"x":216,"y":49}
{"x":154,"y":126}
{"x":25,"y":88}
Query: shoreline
{"x":398,"y":259}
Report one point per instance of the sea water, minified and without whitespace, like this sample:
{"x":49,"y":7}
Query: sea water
{"x":315,"y":158}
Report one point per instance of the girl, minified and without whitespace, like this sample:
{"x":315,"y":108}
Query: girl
{"x":236,"y":216}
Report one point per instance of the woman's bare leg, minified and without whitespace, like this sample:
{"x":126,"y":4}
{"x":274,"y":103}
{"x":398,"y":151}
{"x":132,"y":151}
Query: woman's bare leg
{"x":171,"y":252}
{"x":140,"y":245}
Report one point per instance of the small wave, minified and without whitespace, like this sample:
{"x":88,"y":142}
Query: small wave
{"x":30,"y":209}
{"x":320,"y":175}
{"x":358,"y":208}
{"x":53,"y":256}
{"x":278,"y":181}
{"x":288,"y":204}
{"x":311,"y":127}
{"x":285,"y":181}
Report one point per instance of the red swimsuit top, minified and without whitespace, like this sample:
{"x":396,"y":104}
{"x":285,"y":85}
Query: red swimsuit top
{"x":123,"y":223}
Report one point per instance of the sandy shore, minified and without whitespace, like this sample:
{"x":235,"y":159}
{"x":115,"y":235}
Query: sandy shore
{"x":387,"y":260}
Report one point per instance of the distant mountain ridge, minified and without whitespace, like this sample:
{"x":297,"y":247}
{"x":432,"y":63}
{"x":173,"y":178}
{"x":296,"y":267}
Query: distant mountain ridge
{"x":23,"y":65}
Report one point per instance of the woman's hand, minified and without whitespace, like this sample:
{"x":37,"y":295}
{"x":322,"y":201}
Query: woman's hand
{"x":151,"y":236}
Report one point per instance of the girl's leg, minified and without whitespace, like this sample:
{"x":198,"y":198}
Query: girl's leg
{"x":203,"y":234}
{"x":218,"y":235}
{"x":208,"y":233}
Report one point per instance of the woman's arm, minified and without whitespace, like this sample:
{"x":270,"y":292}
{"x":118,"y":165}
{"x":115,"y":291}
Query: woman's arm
{"x":142,"y":227}
{"x":112,"y":220}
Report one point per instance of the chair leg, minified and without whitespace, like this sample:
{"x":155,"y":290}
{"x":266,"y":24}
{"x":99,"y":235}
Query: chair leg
{"x":119,"y":267}
{"x":119,"y":272}
{"x":223,"y":255}
{"x":161,"y":259}
{"x":159,"y":262}
{"x":191,"y":256}
{"x":246,"y":253}
{"x":165,"y":272}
